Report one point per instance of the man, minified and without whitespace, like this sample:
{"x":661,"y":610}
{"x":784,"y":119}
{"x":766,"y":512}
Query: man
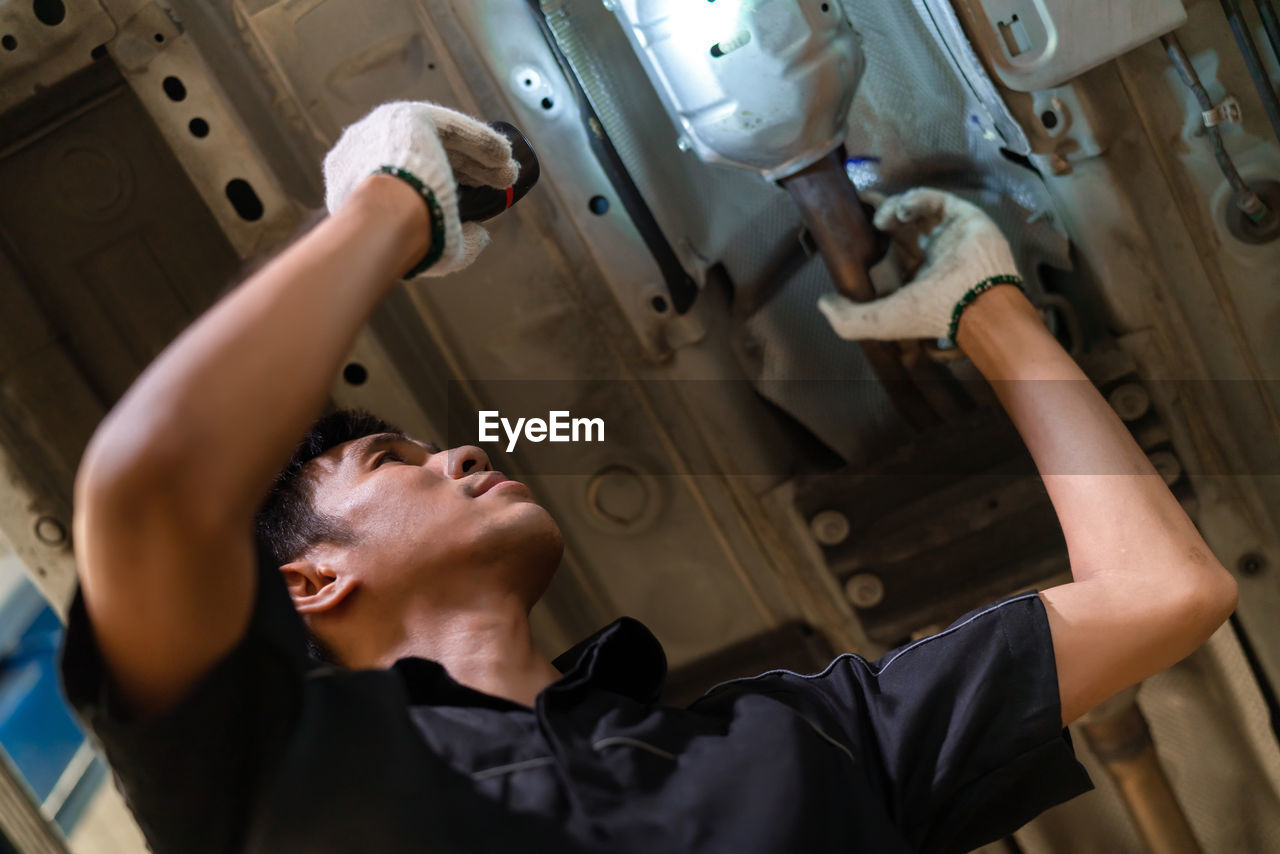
{"x":436,"y":724}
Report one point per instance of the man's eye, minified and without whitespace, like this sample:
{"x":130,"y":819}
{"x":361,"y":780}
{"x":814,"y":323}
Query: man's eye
{"x":385,"y":456}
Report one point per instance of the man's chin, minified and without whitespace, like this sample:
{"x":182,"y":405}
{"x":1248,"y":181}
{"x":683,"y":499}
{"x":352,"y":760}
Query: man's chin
{"x":534,"y":547}
{"x":547,"y":536}
{"x":529,"y":529}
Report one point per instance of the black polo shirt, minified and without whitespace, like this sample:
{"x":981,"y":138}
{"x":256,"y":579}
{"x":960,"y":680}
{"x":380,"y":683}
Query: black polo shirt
{"x":941,"y":746}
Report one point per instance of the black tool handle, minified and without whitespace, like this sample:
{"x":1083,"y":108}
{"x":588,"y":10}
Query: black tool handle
{"x":477,"y":204}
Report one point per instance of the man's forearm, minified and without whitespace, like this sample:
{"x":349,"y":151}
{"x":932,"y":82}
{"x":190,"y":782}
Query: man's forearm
{"x":1116,"y":512}
{"x":1148,"y":590}
{"x":213,"y":418}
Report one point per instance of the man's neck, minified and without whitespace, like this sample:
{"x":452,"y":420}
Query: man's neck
{"x":488,"y":648}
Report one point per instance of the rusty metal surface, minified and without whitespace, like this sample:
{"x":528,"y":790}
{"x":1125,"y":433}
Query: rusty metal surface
{"x":43,"y":43}
{"x":958,"y":511}
{"x":834,"y":216}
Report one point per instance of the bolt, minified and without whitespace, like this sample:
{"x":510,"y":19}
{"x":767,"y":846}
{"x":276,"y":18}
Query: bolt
{"x":1151,"y":436}
{"x":830,"y":527}
{"x":1167,"y":465}
{"x":865,"y":590}
{"x":50,"y":531}
{"x":683,"y":143}
{"x":1251,"y":563}
{"x":1130,"y":401}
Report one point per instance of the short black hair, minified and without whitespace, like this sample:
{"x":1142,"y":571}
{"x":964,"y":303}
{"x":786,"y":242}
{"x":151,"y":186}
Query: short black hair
{"x":287,"y":522}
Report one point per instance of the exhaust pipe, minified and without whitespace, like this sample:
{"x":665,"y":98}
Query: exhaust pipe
{"x":765,"y":85}
{"x":1118,"y":735}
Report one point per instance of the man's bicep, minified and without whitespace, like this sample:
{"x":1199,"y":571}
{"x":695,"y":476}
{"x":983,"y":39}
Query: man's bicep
{"x":190,"y":773}
{"x":165,"y":601}
{"x":1108,"y":636}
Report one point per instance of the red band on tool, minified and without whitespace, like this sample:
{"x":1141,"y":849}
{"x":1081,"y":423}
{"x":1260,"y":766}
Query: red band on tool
{"x":511,"y":192}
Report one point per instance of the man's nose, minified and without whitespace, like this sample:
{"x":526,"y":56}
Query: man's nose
{"x":464,"y":460}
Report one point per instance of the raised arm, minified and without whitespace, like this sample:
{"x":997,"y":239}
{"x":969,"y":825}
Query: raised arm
{"x":1147,"y":590}
{"x":169,"y":484}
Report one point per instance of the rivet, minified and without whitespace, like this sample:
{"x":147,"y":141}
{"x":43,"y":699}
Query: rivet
{"x":1167,"y":465}
{"x":865,"y":590}
{"x":1130,"y":401}
{"x":829,"y":527}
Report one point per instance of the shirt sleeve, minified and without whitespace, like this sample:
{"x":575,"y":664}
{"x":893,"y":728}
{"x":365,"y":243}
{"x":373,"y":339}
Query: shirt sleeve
{"x":965,"y":726}
{"x":190,"y":775}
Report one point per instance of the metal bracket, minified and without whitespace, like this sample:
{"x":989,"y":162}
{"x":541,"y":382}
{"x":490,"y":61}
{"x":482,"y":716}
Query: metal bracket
{"x":20,"y":818}
{"x":1227,"y":111}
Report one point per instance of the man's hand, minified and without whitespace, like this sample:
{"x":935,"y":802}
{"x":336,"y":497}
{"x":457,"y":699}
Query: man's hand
{"x":963,"y":251}
{"x":433,"y":149}
{"x":1147,"y":589}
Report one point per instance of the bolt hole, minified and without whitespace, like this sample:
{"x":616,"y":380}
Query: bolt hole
{"x":528,"y":81}
{"x":174,"y":89}
{"x":1049,"y":119}
{"x":599,"y":205}
{"x":159,"y":37}
{"x":547,"y":103}
{"x":199,"y":127}
{"x":659,"y":304}
{"x":826,"y":8}
{"x":431,"y":66}
{"x":9,"y":42}
{"x":244,"y":199}
{"x":716,"y":50}
{"x":49,"y":12}
{"x":355,"y":374}
{"x":1251,"y":564}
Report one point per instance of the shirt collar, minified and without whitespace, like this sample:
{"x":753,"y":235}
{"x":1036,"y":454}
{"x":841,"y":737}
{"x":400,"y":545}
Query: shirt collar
{"x":623,"y":657}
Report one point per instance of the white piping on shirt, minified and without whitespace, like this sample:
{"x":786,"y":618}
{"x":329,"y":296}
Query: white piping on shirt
{"x":954,"y":628}
{"x":602,"y":743}
{"x":657,"y":751}
{"x":843,"y":749}
{"x":891,"y":660}
{"x":512,"y":768}
{"x":632,"y":742}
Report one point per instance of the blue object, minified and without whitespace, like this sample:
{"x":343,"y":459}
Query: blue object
{"x":37,"y":729}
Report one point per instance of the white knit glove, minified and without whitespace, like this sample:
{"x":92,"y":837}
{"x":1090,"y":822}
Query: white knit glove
{"x":432,"y":148}
{"x":964,"y":254}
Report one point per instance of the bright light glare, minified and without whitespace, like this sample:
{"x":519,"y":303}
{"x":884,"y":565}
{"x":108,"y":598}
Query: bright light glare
{"x":700,"y":22}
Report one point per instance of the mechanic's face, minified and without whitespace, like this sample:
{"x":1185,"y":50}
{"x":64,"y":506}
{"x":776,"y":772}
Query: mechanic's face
{"x":439,"y":523}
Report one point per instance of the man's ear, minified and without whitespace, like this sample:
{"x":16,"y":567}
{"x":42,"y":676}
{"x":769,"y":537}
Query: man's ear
{"x":316,"y":586}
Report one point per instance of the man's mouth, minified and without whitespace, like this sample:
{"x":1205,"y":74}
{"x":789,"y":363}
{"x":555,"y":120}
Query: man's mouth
{"x":488,"y":480}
